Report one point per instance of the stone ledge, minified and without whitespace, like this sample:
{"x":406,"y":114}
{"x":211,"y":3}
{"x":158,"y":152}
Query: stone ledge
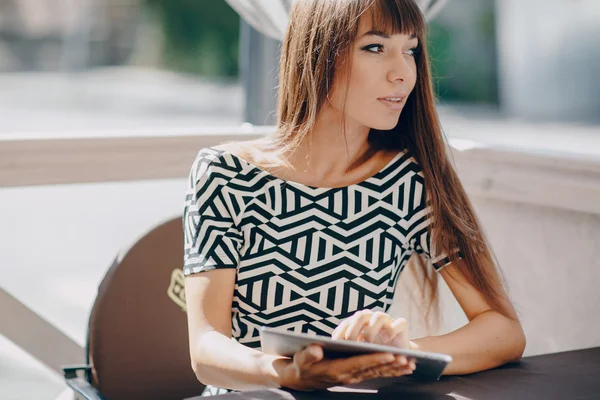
{"x":567,"y":181}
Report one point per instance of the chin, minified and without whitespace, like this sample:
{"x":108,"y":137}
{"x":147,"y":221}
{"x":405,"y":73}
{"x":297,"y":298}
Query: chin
{"x":384,"y":125}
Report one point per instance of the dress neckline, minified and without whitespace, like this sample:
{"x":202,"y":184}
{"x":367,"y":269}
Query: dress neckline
{"x":383,"y":170}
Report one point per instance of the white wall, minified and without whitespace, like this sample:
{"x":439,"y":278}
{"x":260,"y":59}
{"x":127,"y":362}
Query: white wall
{"x":550,"y":259}
{"x":541,"y":213}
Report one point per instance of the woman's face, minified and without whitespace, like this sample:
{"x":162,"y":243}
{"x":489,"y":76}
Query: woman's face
{"x":383,"y":73}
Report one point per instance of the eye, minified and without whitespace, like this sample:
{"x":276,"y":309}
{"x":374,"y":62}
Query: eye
{"x":412,"y":52}
{"x":374,"y":48}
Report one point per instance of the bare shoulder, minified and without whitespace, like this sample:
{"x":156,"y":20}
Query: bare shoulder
{"x":252,"y":151}
{"x":238,"y":148}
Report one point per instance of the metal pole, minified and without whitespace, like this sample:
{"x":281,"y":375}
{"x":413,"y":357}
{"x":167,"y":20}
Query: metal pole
{"x":31,"y":332}
{"x":259,"y":59}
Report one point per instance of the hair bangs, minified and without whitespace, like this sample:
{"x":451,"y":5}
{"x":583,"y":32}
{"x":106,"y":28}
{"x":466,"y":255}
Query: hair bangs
{"x":397,"y":17}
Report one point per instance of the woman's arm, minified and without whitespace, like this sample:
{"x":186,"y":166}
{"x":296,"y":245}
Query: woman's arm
{"x":220,"y":361}
{"x":490,"y":339}
{"x":216,"y":358}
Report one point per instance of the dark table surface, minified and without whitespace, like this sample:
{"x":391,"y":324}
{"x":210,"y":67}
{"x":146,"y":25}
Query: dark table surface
{"x":572,"y":375}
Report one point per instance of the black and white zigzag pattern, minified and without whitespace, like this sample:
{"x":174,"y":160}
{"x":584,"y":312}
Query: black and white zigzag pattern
{"x":306,"y":257}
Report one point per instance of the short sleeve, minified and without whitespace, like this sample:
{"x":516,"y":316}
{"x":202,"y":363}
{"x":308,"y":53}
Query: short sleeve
{"x":212,"y":238}
{"x":425,"y":247}
{"x":421,"y":235}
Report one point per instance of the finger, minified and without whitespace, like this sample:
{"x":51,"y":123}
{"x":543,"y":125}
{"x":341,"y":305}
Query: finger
{"x":399,"y":333}
{"x":308,"y":356}
{"x":340,"y":331}
{"x":343,"y":369}
{"x":412,"y":365}
{"x":385,"y":371}
{"x":354,"y":364}
{"x":378,"y":372}
{"x":400,"y":361}
{"x":314,"y":354}
{"x":376,"y":323}
{"x":356,"y":325}
{"x":400,"y":325}
{"x":399,"y":367}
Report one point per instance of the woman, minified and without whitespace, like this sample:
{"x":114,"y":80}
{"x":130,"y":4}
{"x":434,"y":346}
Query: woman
{"x":310,"y":229}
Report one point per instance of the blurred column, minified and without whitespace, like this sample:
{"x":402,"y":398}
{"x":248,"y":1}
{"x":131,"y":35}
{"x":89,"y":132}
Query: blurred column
{"x":79,"y":20}
{"x":548,"y":56}
{"x":259,"y":58}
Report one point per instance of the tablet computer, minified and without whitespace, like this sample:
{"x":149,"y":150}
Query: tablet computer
{"x":286,"y":343}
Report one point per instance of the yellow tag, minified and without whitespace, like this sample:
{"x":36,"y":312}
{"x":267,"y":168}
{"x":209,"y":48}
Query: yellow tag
{"x":176,"y":290}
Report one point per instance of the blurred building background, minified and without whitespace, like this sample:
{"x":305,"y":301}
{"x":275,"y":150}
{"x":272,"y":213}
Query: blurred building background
{"x":518,"y":88}
{"x":63,"y":60}
{"x":118,"y":64}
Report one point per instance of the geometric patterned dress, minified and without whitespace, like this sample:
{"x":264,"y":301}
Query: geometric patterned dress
{"x":306,"y":257}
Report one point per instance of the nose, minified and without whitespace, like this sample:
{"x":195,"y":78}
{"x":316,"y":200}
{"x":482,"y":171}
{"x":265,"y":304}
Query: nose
{"x":399,"y":69}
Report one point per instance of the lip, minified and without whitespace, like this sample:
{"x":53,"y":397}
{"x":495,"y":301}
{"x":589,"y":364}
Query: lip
{"x":394,"y":106}
{"x":403,"y":95}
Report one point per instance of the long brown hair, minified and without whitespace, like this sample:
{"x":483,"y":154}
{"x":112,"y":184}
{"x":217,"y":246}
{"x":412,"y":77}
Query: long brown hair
{"x":319,"y":33}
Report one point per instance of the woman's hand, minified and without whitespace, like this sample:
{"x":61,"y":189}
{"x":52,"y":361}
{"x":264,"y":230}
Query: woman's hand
{"x":308,"y":370}
{"x":374,"y":327}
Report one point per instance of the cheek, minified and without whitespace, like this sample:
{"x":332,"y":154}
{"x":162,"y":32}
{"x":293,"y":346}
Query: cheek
{"x":413,"y":77}
{"x":352,"y":93}
{"x":337,"y":97}
{"x":364,"y":86}
{"x":365,"y":76}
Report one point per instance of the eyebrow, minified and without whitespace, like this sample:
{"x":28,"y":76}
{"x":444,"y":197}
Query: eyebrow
{"x":384,"y":34}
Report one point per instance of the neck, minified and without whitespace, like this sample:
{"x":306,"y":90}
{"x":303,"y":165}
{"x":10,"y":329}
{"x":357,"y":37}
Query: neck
{"x":333,"y":147}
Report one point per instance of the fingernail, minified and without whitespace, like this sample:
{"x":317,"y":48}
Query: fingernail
{"x":387,"y":359}
{"x":400,"y":361}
